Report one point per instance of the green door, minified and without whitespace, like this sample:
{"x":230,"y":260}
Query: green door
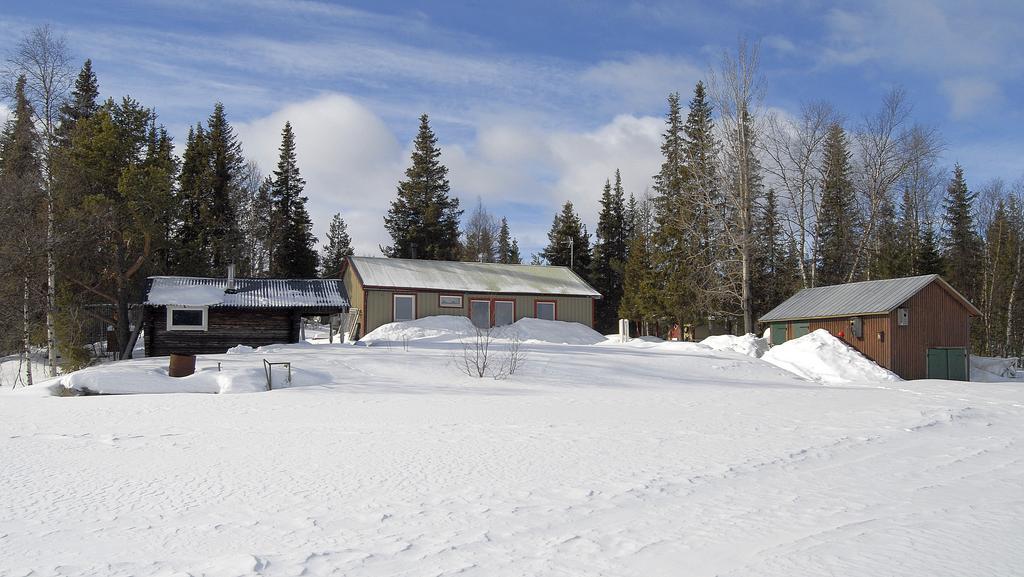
{"x":778,"y":333}
{"x":947,"y":363}
{"x":800,"y":329}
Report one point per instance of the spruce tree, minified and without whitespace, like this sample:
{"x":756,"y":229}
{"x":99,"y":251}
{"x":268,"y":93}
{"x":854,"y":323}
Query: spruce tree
{"x":482,"y":236}
{"x":908,"y":231}
{"x":568,"y":242}
{"x":225,"y":171}
{"x":609,"y":257}
{"x":674,"y":219}
{"x":837,"y":211}
{"x":423,"y":220}
{"x":776,"y":276}
{"x":294,"y":256}
{"x":961,"y":246}
{"x":508,"y":247}
{"x":928,"y":259}
{"x":890,"y":258}
{"x":82,"y":103}
{"x":191,"y":250}
{"x":640,"y":287}
{"x":338,"y":246}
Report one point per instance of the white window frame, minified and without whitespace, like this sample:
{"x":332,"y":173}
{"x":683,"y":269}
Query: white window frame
{"x":394,"y":307}
{"x":173,"y":327}
{"x":451,"y":303}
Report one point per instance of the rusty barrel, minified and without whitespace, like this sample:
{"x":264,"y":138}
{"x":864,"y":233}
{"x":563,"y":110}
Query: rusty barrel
{"x":181,"y":365}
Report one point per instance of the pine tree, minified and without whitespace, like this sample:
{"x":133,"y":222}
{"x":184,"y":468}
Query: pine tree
{"x":701,"y":190}
{"x":338,"y":246}
{"x":837,"y":213}
{"x":609,"y":257}
{"x":508,"y":247}
{"x":82,"y":104}
{"x":961,"y":246}
{"x":423,"y":220}
{"x":568,"y":242}
{"x":294,"y":256}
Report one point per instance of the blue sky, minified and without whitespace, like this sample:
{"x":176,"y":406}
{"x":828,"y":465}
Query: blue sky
{"x":534,"y":103}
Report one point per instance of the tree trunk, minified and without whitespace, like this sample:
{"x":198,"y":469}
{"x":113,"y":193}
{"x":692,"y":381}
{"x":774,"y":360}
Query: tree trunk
{"x":51,"y":288}
{"x":26,"y":333}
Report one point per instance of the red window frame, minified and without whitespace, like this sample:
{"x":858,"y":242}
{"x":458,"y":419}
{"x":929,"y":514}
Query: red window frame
{"x":493,"y":301}
{"x":543,"y":301}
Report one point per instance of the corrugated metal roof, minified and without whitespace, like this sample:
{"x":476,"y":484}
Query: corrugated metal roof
{"x":858,"y":298}
{"x":249,"y":292}
{"x":470,"y":277}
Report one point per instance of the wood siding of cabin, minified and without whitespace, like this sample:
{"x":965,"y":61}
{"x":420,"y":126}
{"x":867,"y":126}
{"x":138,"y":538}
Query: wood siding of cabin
{"x":226,"y":328}
{"x":379,"y":303}
{"x":877,"y":350}
{"x":936,"y":319}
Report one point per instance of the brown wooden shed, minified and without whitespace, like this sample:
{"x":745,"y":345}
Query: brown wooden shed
{"x":199,"y":315}
{"x":917,"y":327}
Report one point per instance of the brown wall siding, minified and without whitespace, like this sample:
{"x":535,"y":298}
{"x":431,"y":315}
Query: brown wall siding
{"x":879,"y":351}
{"x":379,"y":306}
{"x":225,"y":329}
{"x":936,"y":319}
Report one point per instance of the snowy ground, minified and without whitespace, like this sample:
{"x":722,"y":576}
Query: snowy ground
{"x":638,"y":459}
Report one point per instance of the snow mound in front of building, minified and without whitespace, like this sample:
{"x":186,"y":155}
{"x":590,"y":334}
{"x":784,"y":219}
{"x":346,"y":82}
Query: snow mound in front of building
{"x":440,"y":327}
{"x":454,"y":328}
{"x":557,"y":332}
{"x":821,"y":357}
{"x":748,"y":344}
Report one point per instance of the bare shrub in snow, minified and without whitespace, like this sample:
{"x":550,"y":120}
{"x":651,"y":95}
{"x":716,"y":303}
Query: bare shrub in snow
{"x":479,"y":357}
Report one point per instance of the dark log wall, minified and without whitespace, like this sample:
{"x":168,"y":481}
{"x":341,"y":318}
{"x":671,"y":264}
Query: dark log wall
{"x":937,"y":319}
{"x":225,"y":329}
{"x":878,"y":350}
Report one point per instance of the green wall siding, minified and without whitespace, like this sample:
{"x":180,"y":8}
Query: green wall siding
{"x":378,"y":306}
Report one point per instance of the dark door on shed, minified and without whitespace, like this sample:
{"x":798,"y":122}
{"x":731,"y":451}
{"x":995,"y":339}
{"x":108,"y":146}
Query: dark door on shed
{"x":947,"y":363}
{"x":801,"y":328}
{"x":778,"y":333}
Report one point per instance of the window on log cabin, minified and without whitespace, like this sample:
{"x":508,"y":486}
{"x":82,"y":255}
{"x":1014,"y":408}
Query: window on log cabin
{"x":183,"y":318}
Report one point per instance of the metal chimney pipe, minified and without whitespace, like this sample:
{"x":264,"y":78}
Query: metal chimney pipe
{"x":231,"y":278}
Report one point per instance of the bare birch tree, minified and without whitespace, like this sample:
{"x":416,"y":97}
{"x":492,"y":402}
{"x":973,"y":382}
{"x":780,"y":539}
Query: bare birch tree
{"x":887,"y":148}
{"x":736,"y":88}
{"x":792,"y":148}
{"x":45,"y":61}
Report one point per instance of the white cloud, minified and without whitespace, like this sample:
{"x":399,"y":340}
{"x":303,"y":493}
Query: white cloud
{"x":351,"y":161}
{"x":642,"y":80}
{"x":970,"y":50}
{"x":970,"y":95}
{"x":4,"y":114}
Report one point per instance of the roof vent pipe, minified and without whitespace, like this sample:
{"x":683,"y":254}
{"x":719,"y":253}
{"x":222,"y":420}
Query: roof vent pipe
{"x":231,"y":279}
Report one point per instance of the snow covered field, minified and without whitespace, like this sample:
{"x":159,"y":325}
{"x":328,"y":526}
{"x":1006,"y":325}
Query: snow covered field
{"x":639,"y":458}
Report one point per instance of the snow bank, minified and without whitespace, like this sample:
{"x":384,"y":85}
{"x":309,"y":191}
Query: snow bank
{"x":240,"y":350}
{"x":748,"y":344}
{"x":145,"y":377}
{"x":452,"y":328}
{"x":557,"y":332}
{"x":441,"y":327}
{"x":993,"y":369}
{"x":822,"y":357}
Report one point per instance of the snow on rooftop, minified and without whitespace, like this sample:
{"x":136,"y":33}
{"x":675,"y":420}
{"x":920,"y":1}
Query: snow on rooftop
{"x":470,"y":276}
{"x":249,"y":293}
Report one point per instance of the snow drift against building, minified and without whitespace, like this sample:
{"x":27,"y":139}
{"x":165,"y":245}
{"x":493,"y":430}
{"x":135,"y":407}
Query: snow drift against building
{"x":821,"y":357}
